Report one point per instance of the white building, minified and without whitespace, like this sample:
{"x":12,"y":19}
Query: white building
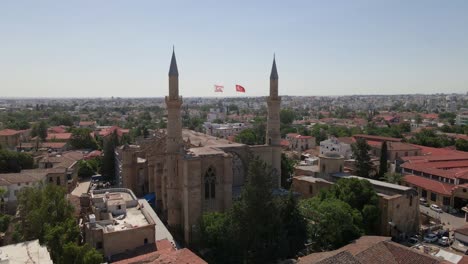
{"x":462,"y":118}
{"x":224,"y":130}
{"x":333,"y":145}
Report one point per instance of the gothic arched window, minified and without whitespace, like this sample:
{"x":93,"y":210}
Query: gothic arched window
{"x":210,"y":183}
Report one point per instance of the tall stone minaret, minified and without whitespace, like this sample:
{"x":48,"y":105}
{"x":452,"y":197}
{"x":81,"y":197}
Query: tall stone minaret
{"x":174,"y":146}
{"x":273,"y":136}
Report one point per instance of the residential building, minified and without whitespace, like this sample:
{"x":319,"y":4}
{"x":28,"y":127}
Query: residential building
{"x":299,"y":142}
{"x":462,"y":118}
{"x":395,"y":150}
{"x":398,"y":204}
{"x":87,"y":124}
{"x":127,"y":230}
{"x":12,"y":183}
{"x":224,"y":130}
{"x":334,"y":145}
{"x":58,"y":137}
{"x":10,"y":138}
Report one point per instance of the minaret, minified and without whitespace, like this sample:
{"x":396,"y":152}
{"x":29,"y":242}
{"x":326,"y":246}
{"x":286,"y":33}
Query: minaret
{"x":273,"y":136}
{"x":173,"y":148}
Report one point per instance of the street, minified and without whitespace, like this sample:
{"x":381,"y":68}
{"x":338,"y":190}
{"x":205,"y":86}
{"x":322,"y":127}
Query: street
{"x":449,"y":221}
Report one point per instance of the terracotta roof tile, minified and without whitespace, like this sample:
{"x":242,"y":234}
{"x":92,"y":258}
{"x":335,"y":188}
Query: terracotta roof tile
{"x":431,"y":185}
{"x":9,"y":132}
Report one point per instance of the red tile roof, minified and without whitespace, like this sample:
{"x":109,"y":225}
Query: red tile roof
{"x":58,"y":136}
{"x":370,"y":250}
{"x":57,"y":129}
{"x":9,"y":132}
{"x":107,"y":131}
{"x":377,"y":138}
{"x":165,"y":255}
{"x":448,"y":169}
{"x":87,"y":123}
{"x":430,"y":185}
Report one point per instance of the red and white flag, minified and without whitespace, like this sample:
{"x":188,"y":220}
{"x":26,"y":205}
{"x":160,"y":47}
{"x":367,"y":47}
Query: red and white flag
{"x":218,"y":88}
{"x":240,"y":89}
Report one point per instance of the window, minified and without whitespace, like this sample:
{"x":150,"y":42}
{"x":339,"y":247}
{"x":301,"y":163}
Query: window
{"x":58,"y":180}
{"x":145,"y":241}
{"x":51,"y":179}
{"x":433,"y":197}
{"x":446,"y":201}
{"x":323,"y":168}
{"x":341,"y":168}
{"x":210,"y":183}
{"x":98,"y":245}
{"x":464,"y":190}
{"x":424,"y":193}
{"x":119,"y":207}
{"x":310,"y":189}
{"x":19,"y":184}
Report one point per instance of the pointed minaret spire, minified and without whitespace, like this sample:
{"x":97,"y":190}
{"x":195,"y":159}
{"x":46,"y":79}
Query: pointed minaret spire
{"x":274,"y":72}
{"x":273,"y":135}
{"x":173,"y":69}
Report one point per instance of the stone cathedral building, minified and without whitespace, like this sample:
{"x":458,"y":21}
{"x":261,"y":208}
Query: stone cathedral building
{"x":190,"y":172}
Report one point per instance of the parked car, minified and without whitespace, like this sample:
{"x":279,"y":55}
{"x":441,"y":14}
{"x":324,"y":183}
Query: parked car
{"x":444,"y":241}
{"x":436,"y":208}
{"x":442,"y":233}
{"x":413,"y":241}
{"x":430,"y":238}
{"x":423,"y":201}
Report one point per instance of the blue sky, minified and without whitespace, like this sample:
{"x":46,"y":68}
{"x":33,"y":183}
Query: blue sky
{"x":123,"y":48}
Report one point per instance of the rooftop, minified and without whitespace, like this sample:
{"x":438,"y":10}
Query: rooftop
{"x":431,"y":185}
{"x":9,"y":132}
{"x":370,"y":250}
{"x":25,"y":252}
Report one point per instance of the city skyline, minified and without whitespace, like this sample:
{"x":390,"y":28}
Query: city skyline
{"x":88,"y":49}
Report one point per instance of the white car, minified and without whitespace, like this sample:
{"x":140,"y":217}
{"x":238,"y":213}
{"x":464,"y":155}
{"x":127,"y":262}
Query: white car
{"x":436,"y":208}
{"x":444,"y":241}
{"x":430,"y":238}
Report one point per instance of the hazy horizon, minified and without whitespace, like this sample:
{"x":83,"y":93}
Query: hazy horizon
{"x":91,"y":49}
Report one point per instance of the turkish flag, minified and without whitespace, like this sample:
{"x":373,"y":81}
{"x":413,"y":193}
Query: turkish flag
{"x":240,"y":89}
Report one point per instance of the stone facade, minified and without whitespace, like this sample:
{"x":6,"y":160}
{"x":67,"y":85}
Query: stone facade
{"x":190,"y":172}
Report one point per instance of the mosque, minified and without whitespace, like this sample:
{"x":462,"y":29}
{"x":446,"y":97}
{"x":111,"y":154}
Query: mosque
{"x":191,"y":172}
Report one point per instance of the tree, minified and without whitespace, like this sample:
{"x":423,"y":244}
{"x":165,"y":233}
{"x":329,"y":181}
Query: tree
{"x":287,"y":116}
{"x":259,"y":228}
{"x":383,"y":159}
{"x":40,"y":130}
{"x":360,"y":195}
{"x":46,"y":214}
{"x":287,"y":170}
{"x":461,"y":144}
{"x":331,"y":223}
{"x":81,"y":139}
{"x":85,"y":169}
{"x":108,"y":162}
{"x":418,"y":118}
{"x":361,"y":155}
{"x":11,"y":161}
{"x":246,"y":136}
{"x":392,"y":177}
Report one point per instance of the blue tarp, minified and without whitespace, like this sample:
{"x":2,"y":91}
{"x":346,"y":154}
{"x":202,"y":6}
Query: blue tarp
{"x":151,"y":198}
